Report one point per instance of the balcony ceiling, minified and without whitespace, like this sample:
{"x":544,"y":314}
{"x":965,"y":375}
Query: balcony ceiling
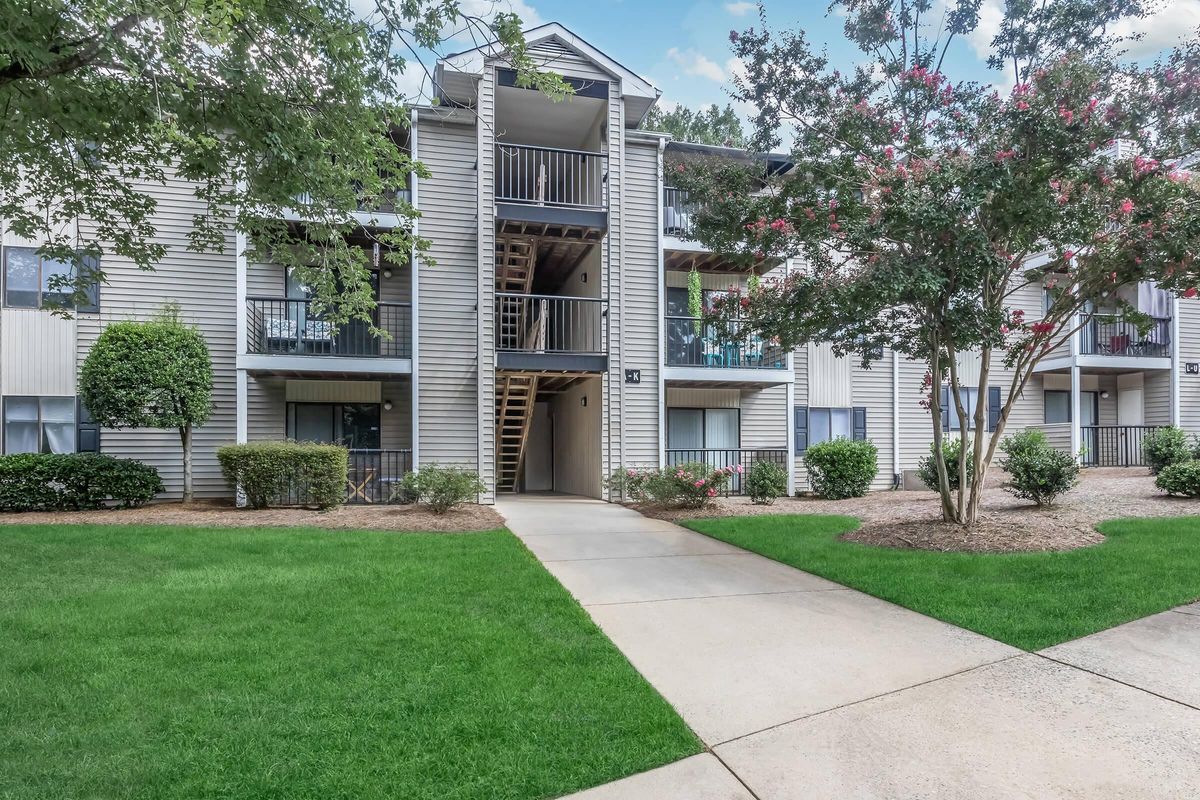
{"x":705,"y":261}
{"x":524,"y":116}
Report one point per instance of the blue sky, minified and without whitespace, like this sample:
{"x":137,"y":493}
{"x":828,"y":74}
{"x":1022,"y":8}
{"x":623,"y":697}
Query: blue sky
{"x":683,"y":45}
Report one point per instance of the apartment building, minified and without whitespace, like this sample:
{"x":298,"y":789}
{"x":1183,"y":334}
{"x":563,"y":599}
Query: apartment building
{"x":545,"y":339}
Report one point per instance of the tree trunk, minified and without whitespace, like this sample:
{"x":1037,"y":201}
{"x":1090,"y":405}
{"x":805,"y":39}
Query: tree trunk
{"x":185,"y":438}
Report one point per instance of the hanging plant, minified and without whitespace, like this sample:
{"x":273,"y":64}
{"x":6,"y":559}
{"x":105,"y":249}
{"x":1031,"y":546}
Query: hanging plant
{"x":695,"y":298}
{"x":752,"y":284}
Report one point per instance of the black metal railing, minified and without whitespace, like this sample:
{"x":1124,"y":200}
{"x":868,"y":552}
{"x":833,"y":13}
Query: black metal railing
{"x":744,"y":457}
{"x":678,"y":213}
{"x":281,"y":326}
{"x":691,"y":343}
{"x":549,"y":176}
{"x":372,"y":477}
{"x":1114,"y":445}
{"x":1112,"y":335}
{"x":538,"y":323}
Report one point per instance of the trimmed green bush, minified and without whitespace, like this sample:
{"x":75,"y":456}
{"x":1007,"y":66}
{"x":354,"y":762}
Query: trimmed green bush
{"x":268,"y":472}
{"x":841,"y":468}
{"x":765,"y":481}
{"x":74,"y":481}
{"x":927,"y":466}
{"x":438,"y":488}
{"x":693,"y":484}
{"x":1037,"y":471}
{"x":1181,"y":479}
{"x":1164,"y":447}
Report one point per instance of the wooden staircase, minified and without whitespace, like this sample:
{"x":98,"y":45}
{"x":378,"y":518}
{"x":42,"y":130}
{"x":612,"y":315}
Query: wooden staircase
{"x":516,"y":394}
{"x":515,"y":258}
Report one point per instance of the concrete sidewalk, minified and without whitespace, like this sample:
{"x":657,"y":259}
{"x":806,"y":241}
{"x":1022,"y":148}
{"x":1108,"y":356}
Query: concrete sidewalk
{"x":801,"y":687}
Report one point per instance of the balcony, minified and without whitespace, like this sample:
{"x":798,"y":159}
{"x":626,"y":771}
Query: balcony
{"x":696,"y":354}
{"x":551,"y":333}
{"x":548,"y":191}
{"x":385,"y":214}
{"x":1112,"y":335}
{"x":1114,"y":445}
{"x":372,"y":477}
{"x":285,"y":334}
{"x":677,"y":213}
{"x":745,"y":457}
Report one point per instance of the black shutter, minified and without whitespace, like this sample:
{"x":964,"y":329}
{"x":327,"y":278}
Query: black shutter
{"x":993,"y":407}
{"x":801,"y":414}
{"x":87,"y":432}
{"x":92,"y":304}
{"x":860,"y":422}
{"x":944,"y":403}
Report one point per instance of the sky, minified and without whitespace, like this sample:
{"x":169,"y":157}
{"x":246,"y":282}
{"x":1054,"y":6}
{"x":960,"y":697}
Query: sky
{"x":682,"y":46}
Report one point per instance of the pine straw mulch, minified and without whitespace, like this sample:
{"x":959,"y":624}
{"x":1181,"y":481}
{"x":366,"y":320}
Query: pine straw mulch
{"x":223,"y":514}
{"x":912,"y":519}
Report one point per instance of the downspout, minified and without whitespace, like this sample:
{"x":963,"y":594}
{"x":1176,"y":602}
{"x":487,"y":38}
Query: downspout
{"x":414,"y":313}
{"x":897,"y":476}
{"x":241,"y":380}
{"x":659,"y":288}
{"x":789,"y":419}
{"x":1176,"y":415}
{"x":621,"y":293}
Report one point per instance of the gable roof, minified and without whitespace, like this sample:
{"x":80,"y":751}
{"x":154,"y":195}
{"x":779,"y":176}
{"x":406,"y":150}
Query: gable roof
{"x":632,"y":85}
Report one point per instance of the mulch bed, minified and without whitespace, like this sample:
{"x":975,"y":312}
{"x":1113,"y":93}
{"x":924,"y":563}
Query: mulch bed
{"x":912,"y":519}
{"x":223,"y":514}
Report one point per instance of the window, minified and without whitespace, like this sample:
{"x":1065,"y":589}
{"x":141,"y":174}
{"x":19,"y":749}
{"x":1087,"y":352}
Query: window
{"x":32,"y":281}
{"x":970,"y":401}
{"x":352,"y":425}
{"x":39,"y":425}
{"x":815,"y":425}
{"x":703,"y":429}
{"x":1057,"y":406}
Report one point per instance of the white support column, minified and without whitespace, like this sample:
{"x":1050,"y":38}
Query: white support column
{"x":241,"y":433}
{"x":414,"y":307}
{"x":790,"y":413}
{"x":896,"y":415}
{"x":661,"y":288}
{"x":1076,"y":437}
{"x":1175,"y":365}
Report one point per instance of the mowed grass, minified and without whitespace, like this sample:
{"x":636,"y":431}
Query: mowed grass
{"x":185,"y":663}
{"x":1028,"y":600}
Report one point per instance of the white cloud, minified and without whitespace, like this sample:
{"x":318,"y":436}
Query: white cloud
{"x":991,"y":16}
{"x":487,"y":9}
{"x":1167,"y":27}
{"x":740,"y":9}
{"x":695,"y":63}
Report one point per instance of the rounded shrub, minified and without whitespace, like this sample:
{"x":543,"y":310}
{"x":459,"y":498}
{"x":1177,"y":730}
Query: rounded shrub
{"x":927,"y":466}
{"x":841,"y":468}
{"x":74,"y":481}
{"x":1036,"y":470}
{"x":1165,"y":446}
{"x":765,"y":481}
{"x":273,"y":473}
{"x":438,"y":488}
{"x":1182,"y":480}
{"x":690,"y":485}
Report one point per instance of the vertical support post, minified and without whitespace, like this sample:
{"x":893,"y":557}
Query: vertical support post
{"x":1175,"y":405}
{"x":414,"y":307}
{"x":242,"y":413}
{"x":896,"y":417}
{"x":1076,"y":437}
{"x":660,"y":287}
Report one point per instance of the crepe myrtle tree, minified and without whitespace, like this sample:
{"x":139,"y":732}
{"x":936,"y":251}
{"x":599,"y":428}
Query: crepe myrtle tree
{"x":253,"y":105}
{"x":918,"y":205}
{"x":151,"y":374}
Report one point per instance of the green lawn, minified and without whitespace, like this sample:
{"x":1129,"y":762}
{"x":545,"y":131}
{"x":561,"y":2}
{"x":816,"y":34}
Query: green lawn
{"x":1029,"y":600}
{"x":185,"y":663}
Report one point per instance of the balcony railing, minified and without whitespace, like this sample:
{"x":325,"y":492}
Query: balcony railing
{"x":536,"y":323}
{"x":691,"y":343}
{"x":546,"y":176}
{"x":678,"y":213}
{"x":278,"y":326}
{"x":1114,"y":445}
{"x":1112,"y":335}
{"x":744,"y":457}
{"x":372,"y":477}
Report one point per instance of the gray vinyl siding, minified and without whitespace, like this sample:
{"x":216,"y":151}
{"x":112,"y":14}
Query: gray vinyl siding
{"x":872,"y":389}
{"x":1189,"y":350}
{"x":552,"y":54}
{"x":1157,"y":397}
{"x":449,"y":377}
{"x":265,"y":280}
{"x":203,"y":284}
{"x":640,"y":294}
{"x":485,"y":283}
{"x":612,"y":443}
{"x":764,"y":417}
{"x":266,"y":408}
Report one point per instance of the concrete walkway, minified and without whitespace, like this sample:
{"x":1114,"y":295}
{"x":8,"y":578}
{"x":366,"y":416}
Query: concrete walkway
{"x":802,"y":688}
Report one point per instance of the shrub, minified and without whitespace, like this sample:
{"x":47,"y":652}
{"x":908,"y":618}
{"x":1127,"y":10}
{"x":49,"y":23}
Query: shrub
{"x":74,"y":481}
{"x":927,"y":466}
{"x":267,"y":472}
{"x":1165,"y":446}
{"x":1037,"y":471}
{"x":689,"y":485}
{"x":1181,"y":479}
{"x":841,"y":468}
{"x":765,"y":481}
{"x":439,"y":488}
